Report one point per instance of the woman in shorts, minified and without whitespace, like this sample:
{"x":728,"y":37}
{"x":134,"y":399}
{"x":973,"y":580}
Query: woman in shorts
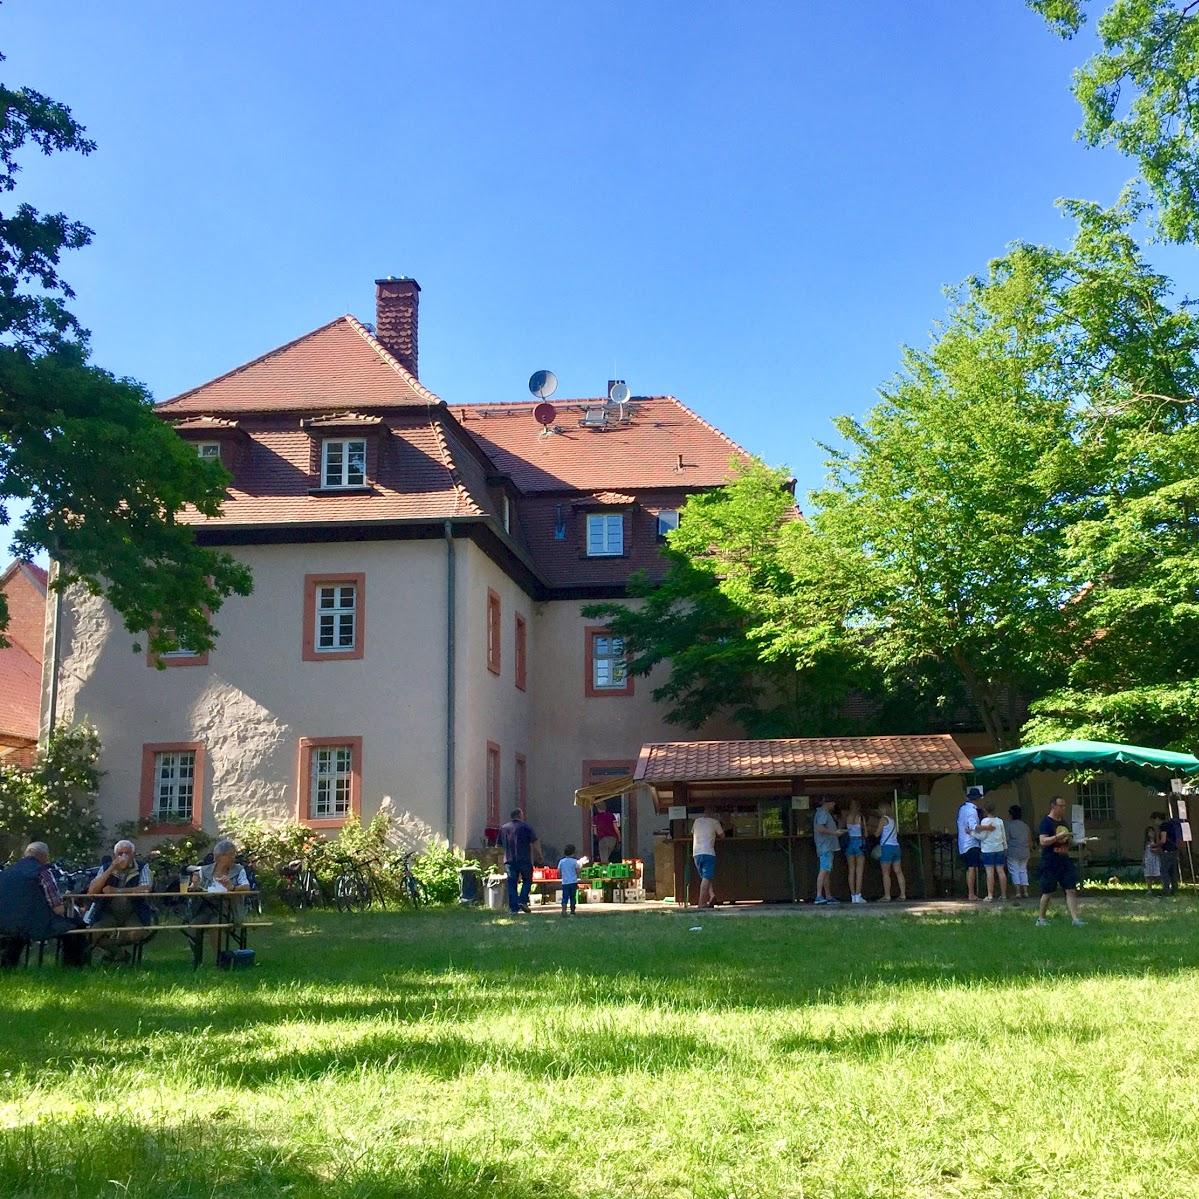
{"x":889,"y":853}
{"x":855,"y":850}
{"x":992,"y":840}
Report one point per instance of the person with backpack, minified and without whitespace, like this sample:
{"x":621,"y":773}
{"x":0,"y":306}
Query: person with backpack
{"x":992,"y":844}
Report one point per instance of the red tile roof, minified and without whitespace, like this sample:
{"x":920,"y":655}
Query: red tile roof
{"x":337,"y":366}
{"x":20,"y":692}
{"x":413,"y":468}
{"x":644,"y":453}
{"x":825,"y":757}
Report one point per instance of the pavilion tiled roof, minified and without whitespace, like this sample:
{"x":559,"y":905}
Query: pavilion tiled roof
{"x":337,"y":366}
{"x":665,"y":444}
{"x":823,"y":757}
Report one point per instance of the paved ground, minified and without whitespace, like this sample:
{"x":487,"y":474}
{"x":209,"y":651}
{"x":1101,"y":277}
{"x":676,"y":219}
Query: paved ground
{"x":915,"y":907}
{"x":918,"y":907}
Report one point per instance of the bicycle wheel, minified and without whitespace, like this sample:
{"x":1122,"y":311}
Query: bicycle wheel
{"x":350,"y":891}
{"x":414,"y":890}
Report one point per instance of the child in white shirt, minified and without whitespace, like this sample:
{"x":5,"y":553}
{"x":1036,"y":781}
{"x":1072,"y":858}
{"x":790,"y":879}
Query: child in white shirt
{"x":568,"y":872}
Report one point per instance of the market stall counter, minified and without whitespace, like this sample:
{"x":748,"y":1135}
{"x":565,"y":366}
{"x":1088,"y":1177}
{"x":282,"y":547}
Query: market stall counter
{"x":765,"y":794}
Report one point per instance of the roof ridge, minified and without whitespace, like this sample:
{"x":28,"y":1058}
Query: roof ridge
{"x":706,"y":424}
{"x":464,"y":496}
{"x":295,"y":341}
{"x":391,"y":360}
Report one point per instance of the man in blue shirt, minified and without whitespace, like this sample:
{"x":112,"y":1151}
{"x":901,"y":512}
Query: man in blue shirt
{"x":521,"y":847}
{"x":1057,"y":867}
{"x":1169,"y":838}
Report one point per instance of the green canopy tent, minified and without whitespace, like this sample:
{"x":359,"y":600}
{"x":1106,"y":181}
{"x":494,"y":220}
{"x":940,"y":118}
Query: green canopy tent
{"x":1135,"y":762}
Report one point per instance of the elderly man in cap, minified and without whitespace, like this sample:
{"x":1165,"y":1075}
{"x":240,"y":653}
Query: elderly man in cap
{"x":124,"y":878}
{"x":31,"y":909}
{"x":828,"y":840}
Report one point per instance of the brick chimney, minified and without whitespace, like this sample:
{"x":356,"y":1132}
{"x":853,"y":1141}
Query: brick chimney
{"x":396,"y":304}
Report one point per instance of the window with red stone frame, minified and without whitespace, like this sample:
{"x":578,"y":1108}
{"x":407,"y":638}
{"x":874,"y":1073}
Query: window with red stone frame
{"x":334,"y":617}
{"x":493,"y":785}
{"x":606,"y":664}
{"x":171,"y":796}
{"x":521,"y":651}
{"x":493,"y":631}
{"x":328,"y":781}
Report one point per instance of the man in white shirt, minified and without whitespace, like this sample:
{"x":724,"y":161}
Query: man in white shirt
{"x":968,"y":849}
{"x":704,"y":831}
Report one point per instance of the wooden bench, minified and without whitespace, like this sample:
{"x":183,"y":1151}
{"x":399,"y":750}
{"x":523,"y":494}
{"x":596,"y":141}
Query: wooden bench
{"x":194,"y":933}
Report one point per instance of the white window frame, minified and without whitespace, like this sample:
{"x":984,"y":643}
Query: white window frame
{"x":1098,"y":799}
{"x":337,"y":474}
{"x":668,"y":521}
{"x":605,"y":534}
{"x":174,"y":782}
{"x":614,"y":662}
{"x":180,"y":651}
{"x":339,"y":613}
{"x":207,"y":451}
{"x":330,"y":782}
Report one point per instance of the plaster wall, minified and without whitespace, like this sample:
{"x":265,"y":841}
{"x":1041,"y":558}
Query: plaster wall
{"x":256,"y":697}
{"x":490,"y":707}
{"x":572,"y":729}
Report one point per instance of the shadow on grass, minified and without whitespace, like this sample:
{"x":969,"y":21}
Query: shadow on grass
{"x":221,"y":1159}
{"x":448,"y":969}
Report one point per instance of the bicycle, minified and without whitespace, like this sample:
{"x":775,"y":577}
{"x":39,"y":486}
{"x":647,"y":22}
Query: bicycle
{"x":412,"y":890}
{"x":299,"y":887}
{"x":358,"y":885}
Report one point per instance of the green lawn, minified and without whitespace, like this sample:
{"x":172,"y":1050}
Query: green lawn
{"x":460,"y":1054}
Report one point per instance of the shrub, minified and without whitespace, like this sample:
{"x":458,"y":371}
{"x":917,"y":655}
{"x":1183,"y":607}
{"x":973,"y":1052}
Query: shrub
{"x":437,"y":867}
{"x":54,"y":799}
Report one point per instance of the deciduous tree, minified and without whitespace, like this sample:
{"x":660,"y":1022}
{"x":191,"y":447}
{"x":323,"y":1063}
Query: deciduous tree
{"x":1140,"y":93}
{"x":103,"y":481}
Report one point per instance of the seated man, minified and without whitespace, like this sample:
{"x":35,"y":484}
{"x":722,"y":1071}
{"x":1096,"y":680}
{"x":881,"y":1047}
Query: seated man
{"x":125,"y":878}
{"x":31,"y":909}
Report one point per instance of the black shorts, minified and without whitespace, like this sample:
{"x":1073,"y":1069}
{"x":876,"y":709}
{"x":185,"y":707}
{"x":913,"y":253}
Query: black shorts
{"x":972,"y":857}
{"x":1057,"y":870}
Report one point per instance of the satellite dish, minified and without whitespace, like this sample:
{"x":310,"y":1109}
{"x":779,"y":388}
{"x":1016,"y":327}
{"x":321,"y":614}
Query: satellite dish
{"x":545,"y":414}
{"x":620,"y":393}
{"x":542,"y":384}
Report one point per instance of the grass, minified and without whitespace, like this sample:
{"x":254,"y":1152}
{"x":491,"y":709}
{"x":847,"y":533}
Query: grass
{"x":462,"y":1053}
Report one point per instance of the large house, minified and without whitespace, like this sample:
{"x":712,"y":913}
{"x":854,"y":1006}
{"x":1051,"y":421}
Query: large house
{"x":415,"y":638}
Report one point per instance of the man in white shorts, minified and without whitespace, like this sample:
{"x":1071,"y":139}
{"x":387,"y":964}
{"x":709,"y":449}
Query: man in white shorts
{"x":704,"y":831}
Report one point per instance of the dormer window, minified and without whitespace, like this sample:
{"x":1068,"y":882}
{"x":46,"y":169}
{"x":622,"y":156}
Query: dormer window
{"x":343,"y":462}
{"x":208,"y":451}
{"x":506,"y":513}
{"x":668,"y":521}
{"x":605,"y":534}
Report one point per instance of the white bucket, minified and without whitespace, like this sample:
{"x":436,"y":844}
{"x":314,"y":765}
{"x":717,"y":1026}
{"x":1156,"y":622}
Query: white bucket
{"x":495,"y":893}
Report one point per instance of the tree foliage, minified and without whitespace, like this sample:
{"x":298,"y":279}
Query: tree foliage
{"x":1140,"y":93}
{"x":54,"y":800}
{"x":713,"y":624}
{"x":104,"y":480}
{"x":1014,"y":491}
{"x":1017,"y":519}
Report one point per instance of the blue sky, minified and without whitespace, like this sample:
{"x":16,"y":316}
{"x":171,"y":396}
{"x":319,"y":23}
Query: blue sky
{"x":749,"y":205}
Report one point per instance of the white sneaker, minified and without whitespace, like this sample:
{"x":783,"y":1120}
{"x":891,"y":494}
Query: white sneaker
{"x":988,"y":899}
{"x":856,"y":899}
{"x":1042,"y":922}
{"x":1078,"y":923}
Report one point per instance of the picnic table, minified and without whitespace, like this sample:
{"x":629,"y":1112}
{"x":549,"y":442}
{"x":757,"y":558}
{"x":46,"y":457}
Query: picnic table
{"x":228,"y":931}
